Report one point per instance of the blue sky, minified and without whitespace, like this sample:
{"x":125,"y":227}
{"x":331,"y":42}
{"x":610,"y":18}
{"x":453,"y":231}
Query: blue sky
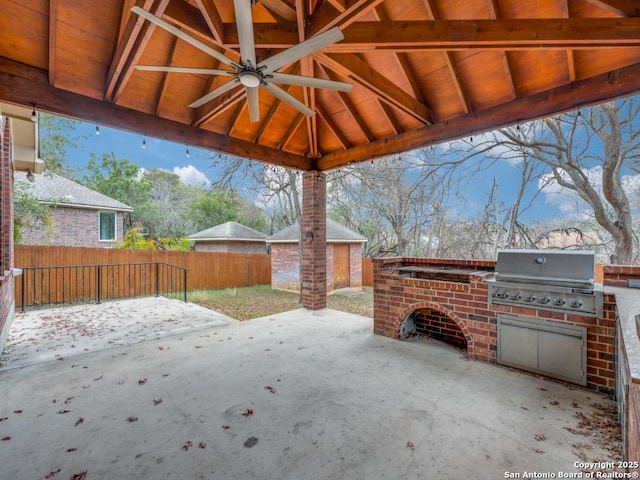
{"x":196,"y":169}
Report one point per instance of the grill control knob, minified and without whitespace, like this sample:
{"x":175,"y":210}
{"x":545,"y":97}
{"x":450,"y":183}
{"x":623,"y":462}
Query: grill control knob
{"x":544,"y":300}
{"x":561,"y":301}
{"x":531,"y":298}
{"x":516,"y":296}
{"x":577,"y":303}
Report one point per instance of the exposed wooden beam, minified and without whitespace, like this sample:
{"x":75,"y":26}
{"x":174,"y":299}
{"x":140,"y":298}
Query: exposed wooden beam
{"x":357,"y":69}
{"x":333,"y":128}
{"x":594,"y":90}
{"x":281,"y":9}
{"x":165,"y":77}
{"x":53,"y":30}
{"x":212,"y":18}
{"x":450,"y":35}
{"x":327,"y":17}
{"x":215,"y":107}
{"x":306,"y":67}
{"x":571,"y":64}
{"x":135,"y":37}
{"x":22,"y":84}
{"x":494,"y":14}
{"x":624,"y":8}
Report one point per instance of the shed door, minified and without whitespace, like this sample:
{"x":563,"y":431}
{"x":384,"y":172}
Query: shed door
{"x":340,"y":266}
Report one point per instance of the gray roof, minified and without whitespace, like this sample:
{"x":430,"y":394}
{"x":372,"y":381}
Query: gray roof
{"x":52,"y":188}
{"x":229,"y":231}
{"x":336,"y":233}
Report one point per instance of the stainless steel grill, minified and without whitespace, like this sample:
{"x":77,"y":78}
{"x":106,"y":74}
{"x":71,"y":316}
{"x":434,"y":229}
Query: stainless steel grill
{"x":550,"y":280}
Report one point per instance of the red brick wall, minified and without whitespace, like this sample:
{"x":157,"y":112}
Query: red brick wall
{"x":465,"y":304}
{"x":314,"y":251}
{"x":355,"y":265}
{"x":225,"y":246}
{"x":437,"y":325}
{"x":6,"y":231}
{"x":73,"y":227}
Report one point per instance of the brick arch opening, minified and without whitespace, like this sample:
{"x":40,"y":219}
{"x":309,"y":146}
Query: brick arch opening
{"x":438,"y":322}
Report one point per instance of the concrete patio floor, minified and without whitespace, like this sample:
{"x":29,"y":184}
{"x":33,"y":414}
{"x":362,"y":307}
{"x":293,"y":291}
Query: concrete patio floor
{"x":160,"y":389}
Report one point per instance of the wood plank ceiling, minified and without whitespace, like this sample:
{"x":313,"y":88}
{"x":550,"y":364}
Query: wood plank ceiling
{"x":424,"y":71}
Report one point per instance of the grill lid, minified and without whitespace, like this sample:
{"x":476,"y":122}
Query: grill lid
{"x":555,"y":267}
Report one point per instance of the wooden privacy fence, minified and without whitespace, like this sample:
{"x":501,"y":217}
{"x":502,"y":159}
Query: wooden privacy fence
{"x":130,"y":269}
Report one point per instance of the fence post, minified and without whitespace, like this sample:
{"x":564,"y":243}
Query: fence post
{"x":157,"y":279}
{"x":185,"y":285}
{"x":24,"y":274}
{"x":98,"y":283}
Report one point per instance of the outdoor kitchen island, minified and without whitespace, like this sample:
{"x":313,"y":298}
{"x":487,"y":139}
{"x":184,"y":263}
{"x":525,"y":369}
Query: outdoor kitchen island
{"x":462,"y":303}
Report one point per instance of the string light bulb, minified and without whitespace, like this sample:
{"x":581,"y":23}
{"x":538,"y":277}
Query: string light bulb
{"x":34,"y":115}
{"x":144,"y":143}
{"x":97,"y":130}
{"x":188,"y":155}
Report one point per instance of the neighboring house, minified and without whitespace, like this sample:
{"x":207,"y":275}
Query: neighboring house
{"x":230,"y":237}
{"x":344,"y":258}
{"x":81,"y":217}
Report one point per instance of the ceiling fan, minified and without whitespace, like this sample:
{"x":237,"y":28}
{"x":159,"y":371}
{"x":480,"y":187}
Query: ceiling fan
{"x":249,"y":72}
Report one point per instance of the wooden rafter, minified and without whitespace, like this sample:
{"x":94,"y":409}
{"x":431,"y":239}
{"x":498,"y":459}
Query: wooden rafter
{"x":20,"y":84}
{"x":306,"y":67}
{"x":598,"y":89}
{"x":327,"y":16}
{"x":571,"y":63}
{"x":624,"y":8}
{"x":281,"y":9}
{"x":494,"y":14}
{"x":357,"y":69}
{"x":165,"y":78}
{"x":134,"y":39}
{"x":212,"y":18}
{"x":335,"y":130}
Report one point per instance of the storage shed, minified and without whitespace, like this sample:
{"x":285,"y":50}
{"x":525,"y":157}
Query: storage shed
{"x":344,"y":257}
{"x":230,"y":237}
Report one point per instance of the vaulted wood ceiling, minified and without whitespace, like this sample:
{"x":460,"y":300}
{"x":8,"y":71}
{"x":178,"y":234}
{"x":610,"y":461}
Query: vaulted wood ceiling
{"x":424,"y":71}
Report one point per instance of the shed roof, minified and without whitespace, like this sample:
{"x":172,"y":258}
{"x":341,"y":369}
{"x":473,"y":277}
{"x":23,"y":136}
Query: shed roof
{"x":229,"y":231}
{"x":52,"y":188}
{"x":336,"y":233}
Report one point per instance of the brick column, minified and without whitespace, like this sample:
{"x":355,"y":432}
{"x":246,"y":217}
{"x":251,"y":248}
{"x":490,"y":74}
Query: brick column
{"x":314,"y":240}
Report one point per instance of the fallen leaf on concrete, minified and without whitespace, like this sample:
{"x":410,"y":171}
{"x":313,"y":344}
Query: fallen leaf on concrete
{"x":540,"y":437}
{"x":202,"y":445}
{"x":2,"y":419}
{"x":79,"y":476}
{"x":575,"y":405}
{"x":226,"y":427}
{"x":68,"y":400}
{"x":99,"y":378}
{"x":4,"y":439}
{"x":271,"y":389}
{"x":63,"y":411}
{"x":17,"y":411}
{"x":248,"y":413}
{"x":69,"y":450}
{"x":523,"y":407}
{"x":132,"y":419}
{"x":52,"y":474}
{"x":537,"y":450}
{"x":187,"y":445}
{"x":554,"y":402}
{"x":157,"y":401}
{"x":411,"y":446}
{"x":142,"y":381}
{"x":79,"y":421}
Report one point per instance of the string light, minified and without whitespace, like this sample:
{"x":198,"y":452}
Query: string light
{"x":187,"y":153}
{"x":97,"y":130}
{"x":34,"y":116}
{"x":144,"y":143}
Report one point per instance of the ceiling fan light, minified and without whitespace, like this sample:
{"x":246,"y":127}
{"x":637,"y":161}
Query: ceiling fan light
{"x":249,"y":79}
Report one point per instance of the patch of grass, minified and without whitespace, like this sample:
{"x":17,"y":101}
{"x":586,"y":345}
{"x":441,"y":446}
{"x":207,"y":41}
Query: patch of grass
{"x":253,"y":302}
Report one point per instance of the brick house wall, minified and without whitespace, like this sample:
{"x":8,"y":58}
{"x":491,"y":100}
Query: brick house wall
{"x":7,"y":302}
{"x":465,"y":306}
{"x":230,"y":246}
{"x":285,"y":266}
{"x":73,"y":227}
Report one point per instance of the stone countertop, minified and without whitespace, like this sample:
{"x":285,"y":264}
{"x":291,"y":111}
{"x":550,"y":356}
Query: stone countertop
{"x":628,"y":304}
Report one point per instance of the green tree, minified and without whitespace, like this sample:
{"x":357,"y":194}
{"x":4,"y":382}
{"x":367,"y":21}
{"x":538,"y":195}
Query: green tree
{"x":213,"y":208}
{"x":29,"y":213}
{"x":58,"y":136}
{"x":121,"y":180}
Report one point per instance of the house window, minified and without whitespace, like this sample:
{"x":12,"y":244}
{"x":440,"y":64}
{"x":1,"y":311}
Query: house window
{"x":107,"y":226}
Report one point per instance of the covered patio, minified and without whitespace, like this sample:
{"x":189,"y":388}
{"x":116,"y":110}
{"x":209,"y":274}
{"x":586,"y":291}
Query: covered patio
{"x":305,"y":394}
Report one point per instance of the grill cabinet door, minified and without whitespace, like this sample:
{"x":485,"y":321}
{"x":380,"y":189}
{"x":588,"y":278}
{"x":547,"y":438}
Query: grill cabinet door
{"x":544,"y":347}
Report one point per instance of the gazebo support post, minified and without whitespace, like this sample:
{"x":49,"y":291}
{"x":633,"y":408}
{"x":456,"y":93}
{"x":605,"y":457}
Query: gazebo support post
{"x":314,"y":240}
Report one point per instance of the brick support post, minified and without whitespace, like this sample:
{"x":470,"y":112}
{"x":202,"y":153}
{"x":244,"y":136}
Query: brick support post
{"x":314,"y":240}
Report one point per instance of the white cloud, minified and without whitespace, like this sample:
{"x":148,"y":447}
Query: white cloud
{"x":191,"y":176}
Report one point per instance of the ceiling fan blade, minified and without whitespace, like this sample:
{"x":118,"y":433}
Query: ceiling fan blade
{"x":200,"y":71}
{"x":295,"y":53}
{"x":182,"y":35}
{"x":253,"y":103}
{"x":303,"y":81}
{"x":244,"y":22}
{"x":280,"y":94}
{"x":215,"y":93}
